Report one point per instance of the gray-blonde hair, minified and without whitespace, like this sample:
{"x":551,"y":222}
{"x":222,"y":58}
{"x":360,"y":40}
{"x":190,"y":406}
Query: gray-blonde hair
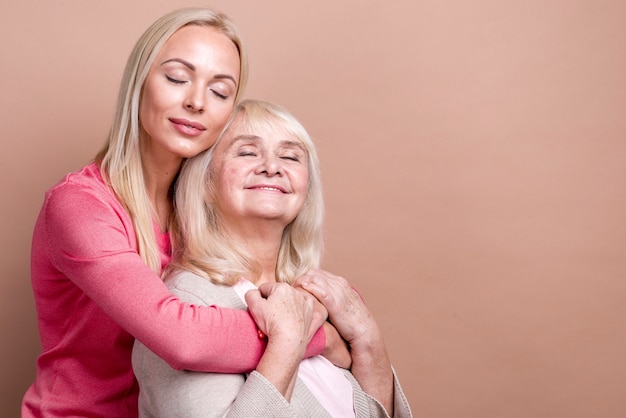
{"x":203,"y":247}
{"x":120,"y":158}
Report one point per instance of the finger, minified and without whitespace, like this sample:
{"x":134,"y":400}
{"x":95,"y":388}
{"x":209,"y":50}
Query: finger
{"x":319,"y":310}
{"x":253,"y":297}
{"x":327,"y":275}
{"x":255,"y":305}
{"x":323,"y":279}
{"x":316,"y":274}
{"x":318,"y":288}
{"x":298,"y":282}
{"x":266,"y":289}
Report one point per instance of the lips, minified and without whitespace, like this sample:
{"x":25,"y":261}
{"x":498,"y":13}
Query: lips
{"x":188,"y":127}
{"x":268,"y":187}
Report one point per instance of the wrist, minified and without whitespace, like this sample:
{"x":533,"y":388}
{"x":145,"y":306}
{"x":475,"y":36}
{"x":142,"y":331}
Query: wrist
{"x":287,"y":344}
{"x":370,"y":339}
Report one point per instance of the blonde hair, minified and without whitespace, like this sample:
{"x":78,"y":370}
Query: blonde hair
{"x":120,"y":158}
{"x":203,"y":247}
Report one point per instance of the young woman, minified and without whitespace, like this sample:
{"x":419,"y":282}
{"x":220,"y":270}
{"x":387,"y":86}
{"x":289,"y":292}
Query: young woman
{"x":259,"y":223}
{"x":102,"y":236}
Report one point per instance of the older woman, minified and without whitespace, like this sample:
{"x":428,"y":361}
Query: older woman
{"x":259,"y":224}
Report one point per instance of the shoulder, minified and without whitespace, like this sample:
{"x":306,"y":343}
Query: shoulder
{"x":192,"y":288}
{"x":86,"y":177}
{"x":82,"y":202}
{"x":79,"y":188}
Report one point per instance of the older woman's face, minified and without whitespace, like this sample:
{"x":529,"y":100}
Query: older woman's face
{"x":262,"y":173}
{"x":189,"y":93}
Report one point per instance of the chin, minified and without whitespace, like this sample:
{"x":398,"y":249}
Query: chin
{"x":189,"y":153}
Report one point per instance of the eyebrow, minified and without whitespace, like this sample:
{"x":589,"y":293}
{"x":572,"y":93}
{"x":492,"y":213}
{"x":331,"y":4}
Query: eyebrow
{"x":293,"y":144}
{"x":244,"y":137}
{"x":255,"y":138}
{"x":193,"y":68}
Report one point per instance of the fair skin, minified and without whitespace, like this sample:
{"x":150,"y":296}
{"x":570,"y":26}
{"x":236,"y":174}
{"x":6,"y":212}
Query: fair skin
{"x":186,"y":100}
{"x":261,"y":182}
{"x":288,"y":334}
{"x":262,"y":185}
{"x":347,"y":312}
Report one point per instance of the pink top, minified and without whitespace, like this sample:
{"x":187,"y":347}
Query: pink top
{"x":93,"y":293}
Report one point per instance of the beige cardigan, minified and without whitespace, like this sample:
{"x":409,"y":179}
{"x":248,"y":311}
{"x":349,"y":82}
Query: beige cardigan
{"x":165,"y":392}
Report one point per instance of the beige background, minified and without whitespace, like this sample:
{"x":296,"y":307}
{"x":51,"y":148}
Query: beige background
{"x":473,"y":157}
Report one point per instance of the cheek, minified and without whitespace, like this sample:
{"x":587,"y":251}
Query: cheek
{"x":228,"y":181}
{"x":218,"y":119}
{"x":156,"y":99}
{"x":303,"y":182}
{"x":148,"y":106}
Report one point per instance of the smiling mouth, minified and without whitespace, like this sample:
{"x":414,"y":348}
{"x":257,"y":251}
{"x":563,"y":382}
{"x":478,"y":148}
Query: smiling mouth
{"x":269,"y":188}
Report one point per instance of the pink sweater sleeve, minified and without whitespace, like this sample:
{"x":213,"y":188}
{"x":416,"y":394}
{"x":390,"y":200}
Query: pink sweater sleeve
{"x":89,"y":238}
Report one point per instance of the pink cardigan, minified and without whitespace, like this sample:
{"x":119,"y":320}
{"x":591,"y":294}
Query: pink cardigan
{"x":94,"y":294}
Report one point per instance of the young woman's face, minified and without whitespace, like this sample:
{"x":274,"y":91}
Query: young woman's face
{"x":189,"y":93}
{"x":262,"y":173}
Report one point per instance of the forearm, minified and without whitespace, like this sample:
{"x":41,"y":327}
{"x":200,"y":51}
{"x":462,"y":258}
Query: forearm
{"x":232,"y":338}
{"x":85,"y":235}
{"x":259,"y":398}
{"x":279,"y":365}
{"x":372,"y":369}
{"x":355,"y":323}
{"x":289,"y":318}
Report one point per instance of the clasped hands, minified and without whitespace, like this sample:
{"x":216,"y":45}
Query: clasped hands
{"x":293,"y":313}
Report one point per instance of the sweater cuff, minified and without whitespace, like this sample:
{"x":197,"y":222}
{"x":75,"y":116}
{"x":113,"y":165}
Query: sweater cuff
{"x":317,"y":344}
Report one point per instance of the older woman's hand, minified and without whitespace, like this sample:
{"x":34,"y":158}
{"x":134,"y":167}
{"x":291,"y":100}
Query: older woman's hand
{"x":289,"y":318}
{"x":347,"y":312}
{"x":281,"y":311}
{"x":346,"y":309}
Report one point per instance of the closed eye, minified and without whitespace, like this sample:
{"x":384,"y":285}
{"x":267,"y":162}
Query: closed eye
{"x":174,"y":80}
{"x":219,"y":95}
{"x":246,"y":154}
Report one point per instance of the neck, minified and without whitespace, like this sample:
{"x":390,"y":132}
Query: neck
{"x":158,"y":177}
{"x":261,"y":239}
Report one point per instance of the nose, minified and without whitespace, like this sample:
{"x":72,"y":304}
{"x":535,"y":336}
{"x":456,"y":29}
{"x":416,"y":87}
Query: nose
{"x":270,"y":166}
{"x":195,"y":100}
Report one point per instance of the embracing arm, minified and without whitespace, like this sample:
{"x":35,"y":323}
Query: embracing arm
{"x":89,"y":238}
{"x":265,"y":392}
